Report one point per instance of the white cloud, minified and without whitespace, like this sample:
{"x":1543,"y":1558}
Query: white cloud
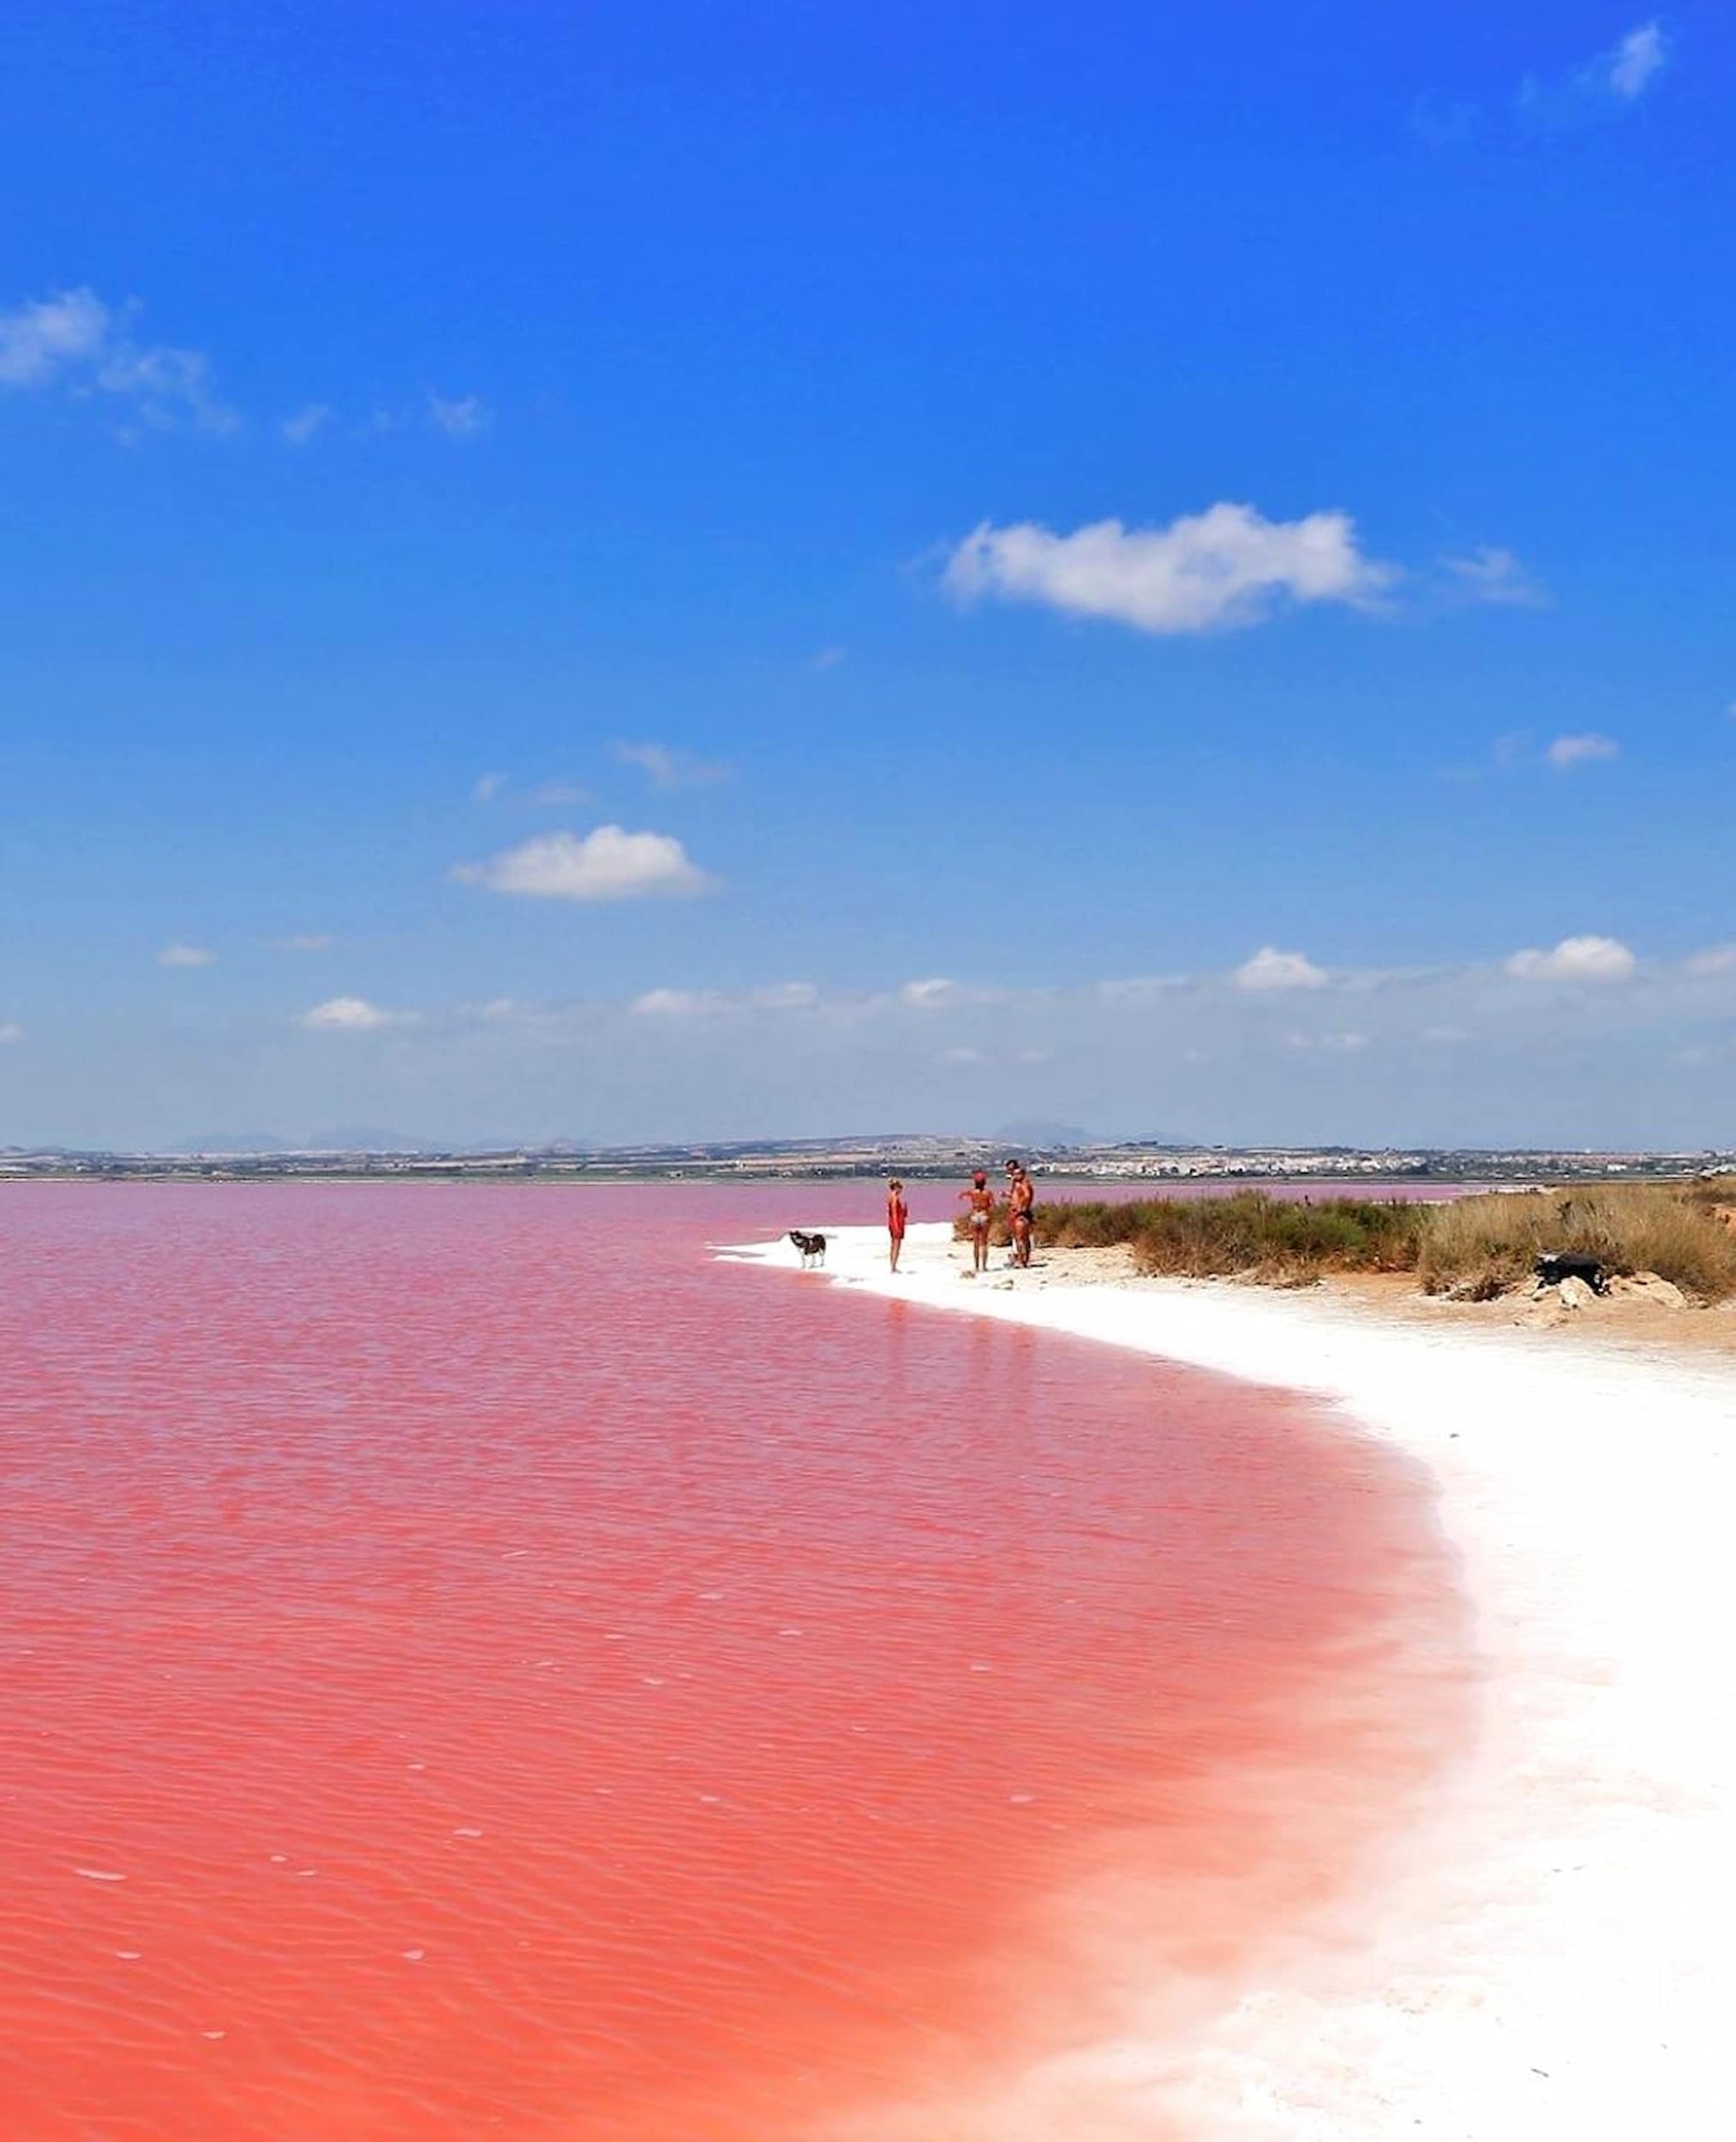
{"x":1636,"y":60}
{"x":1341,"y":1044}
{"x":1611,"y":82}
{"x":674,"y":1003}
{"x":459,"y":416}
{"x":308,"y":941}
{"x":1568,"y":751}
{"x":1575,"y":959}
{"x":667,"y":769}
{"x":786,"y":996}
{"x":186,"y":956}
{"x":10,"y":1031}
{"x":1716,"y":959}
{"x":962,"y":1056}
{"x":1208,"y":572}
{"x":352,"y":1015}
{"x":46,"y":337}
{"x":76,"y":341}
{"x":927,"y":995}
{"x":608,"y":864}
{"x":301,"y":426}
{"x":828,"y":658}
{"x":488,"y":786}
{"x":1271,"y":969}
{"x":1490,"y":574}
{"x":561,"y":794}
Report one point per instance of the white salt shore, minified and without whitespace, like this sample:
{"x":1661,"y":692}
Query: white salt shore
{"x":1552,"y":1950}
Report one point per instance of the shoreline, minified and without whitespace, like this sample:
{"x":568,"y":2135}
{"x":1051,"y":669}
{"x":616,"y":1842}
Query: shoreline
{"x":1540,"y":1958}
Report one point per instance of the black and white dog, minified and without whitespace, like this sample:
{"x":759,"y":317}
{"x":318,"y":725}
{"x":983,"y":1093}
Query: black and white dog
{"x":1552,"y":1270}
{"x":812,"y":1247}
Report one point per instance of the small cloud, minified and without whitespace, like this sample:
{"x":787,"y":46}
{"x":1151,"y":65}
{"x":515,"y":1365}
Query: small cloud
{"x":962,"y":1056}
{"x":1212,"y":572}
{"x":926,"y":994}
{"x":608,"y":864}
{"x":186,"y":956}
{"x":461,"y":417}
{"x":1271,"y":969}
{"x":487,"y":787}
{"x":303,"y":426}
{"x":47,"y":336}
{"x":1630,"y":67}
{"x":561,"y":794}
{"x":1142,"y":989}
{"x":1333,"y":1044}
{"x":828,"y":658}
{"x":1716,"y":959}
{"x":1568,"y":751}
{"x":1611,"y":82}
{"x":75,"y":340}
{"x":10,"y":1032}
{"x":352,"y":1015}
{"x":666,"y":768}
{"x":1490,"y":574}
{"x":1446,"y":1037}
{"x":673,"y":1003}
{"x":308,"y":941}
{"x":1575,"y":959}
{"x":785,"y":997}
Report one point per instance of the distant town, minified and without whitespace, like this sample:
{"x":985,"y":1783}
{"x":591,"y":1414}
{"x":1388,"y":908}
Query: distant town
{"x":915,"y":1156}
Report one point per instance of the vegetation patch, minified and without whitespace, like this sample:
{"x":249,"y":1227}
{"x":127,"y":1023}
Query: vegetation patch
{"x":1475,"y":1247}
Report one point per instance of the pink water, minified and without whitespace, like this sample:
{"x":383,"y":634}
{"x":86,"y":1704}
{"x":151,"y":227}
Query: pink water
{"x":474,"y":1666}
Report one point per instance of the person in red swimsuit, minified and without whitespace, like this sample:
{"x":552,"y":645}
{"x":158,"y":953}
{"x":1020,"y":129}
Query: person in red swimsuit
{"x":897,"y":1217}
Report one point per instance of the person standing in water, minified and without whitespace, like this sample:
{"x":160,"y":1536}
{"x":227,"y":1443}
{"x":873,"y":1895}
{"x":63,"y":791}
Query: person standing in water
{"x":982,"y":1210}
{"x":1021,"y":1199}
{"x":897,"y":1217}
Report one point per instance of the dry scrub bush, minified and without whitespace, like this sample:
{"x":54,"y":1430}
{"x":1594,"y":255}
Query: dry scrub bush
{"x":1478,"y":1246}
{"x":1279,"y":1242}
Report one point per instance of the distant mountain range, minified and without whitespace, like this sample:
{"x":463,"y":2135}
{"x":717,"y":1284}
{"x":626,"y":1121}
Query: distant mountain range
{"x":363,"y":1138}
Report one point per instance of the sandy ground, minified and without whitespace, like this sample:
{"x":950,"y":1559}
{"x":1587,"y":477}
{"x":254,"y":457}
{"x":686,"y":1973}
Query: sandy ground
{"x":1551,"y":1953}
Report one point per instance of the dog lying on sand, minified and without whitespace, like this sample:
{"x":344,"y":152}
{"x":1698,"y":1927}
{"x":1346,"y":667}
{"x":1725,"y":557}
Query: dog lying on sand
{"x":812,"y":1247}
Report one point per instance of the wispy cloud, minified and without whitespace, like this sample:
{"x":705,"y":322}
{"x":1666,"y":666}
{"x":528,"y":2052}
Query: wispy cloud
{"x":1271,"y":969}
{"x":828,"y":658}
{"x":1611,"y":82}
{"x":459,"y":416}
{"x":1575,"y":959}
{"x":305,"y":423}
{"x":10,"y":1031}
{"x":608,"y":864}
{"x":186,"y":956}
{"x":305,"y":941}
{"x":353,"y":1015}
{"x":75,"y":341}
{"x":1225,"y":568}
{"x":666,"y":768}
{"x":1490,"y":574}
{"x":1569,"y":751}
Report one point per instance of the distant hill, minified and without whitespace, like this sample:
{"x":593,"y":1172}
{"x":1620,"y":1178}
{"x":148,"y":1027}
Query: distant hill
{"x":1047,"y":1137}
{"x":222,"y":1141}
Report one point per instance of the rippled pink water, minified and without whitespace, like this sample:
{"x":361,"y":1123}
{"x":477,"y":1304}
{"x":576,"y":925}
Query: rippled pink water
{"x":471,"y":1665}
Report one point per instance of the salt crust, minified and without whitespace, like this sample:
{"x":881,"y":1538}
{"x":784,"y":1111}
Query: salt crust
{"x":1550,"y":1953}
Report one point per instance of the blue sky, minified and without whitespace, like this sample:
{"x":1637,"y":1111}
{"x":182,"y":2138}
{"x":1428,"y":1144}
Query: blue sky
{"x":722,"y":569}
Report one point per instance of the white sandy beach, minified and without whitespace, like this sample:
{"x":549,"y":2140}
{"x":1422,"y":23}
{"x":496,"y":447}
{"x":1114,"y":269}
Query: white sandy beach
{"x":1551,"y":1953}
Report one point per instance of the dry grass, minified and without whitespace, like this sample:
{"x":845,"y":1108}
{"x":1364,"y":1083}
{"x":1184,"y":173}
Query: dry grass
{"x":1475,"y":1246}
{"x":1282,"y":1243}
{"x":1480,"y":1245}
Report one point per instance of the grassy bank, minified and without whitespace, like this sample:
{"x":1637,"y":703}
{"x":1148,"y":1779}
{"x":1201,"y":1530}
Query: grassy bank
{"x":1475,"y":1246}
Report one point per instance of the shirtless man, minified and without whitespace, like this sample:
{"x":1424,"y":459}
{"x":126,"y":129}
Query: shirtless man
{"x":1021,"y":1198}
{"x":982,"y":1210}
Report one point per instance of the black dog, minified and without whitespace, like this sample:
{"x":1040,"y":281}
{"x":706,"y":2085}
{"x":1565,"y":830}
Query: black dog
{"x":812,"y":1247}
{"x":1552,"y":1270}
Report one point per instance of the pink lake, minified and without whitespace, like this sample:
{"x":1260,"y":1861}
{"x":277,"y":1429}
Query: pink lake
{"x":475,"y":1665}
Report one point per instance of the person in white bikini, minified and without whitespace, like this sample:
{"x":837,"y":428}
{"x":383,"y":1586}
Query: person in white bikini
{"x":982,"y":1204}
